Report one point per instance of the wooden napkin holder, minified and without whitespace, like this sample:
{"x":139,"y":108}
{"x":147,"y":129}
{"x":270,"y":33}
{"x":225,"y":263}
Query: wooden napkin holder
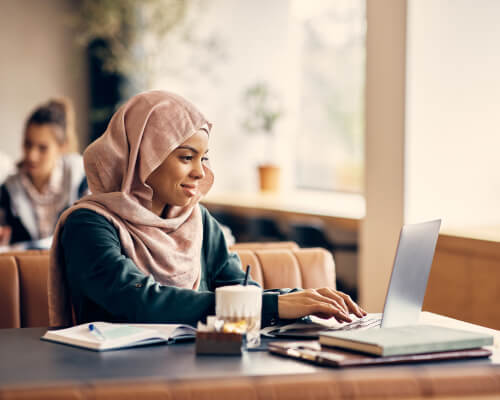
{"x":219,"y":343}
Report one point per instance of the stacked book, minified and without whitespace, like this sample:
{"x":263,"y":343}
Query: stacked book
{"x":413,"y":343}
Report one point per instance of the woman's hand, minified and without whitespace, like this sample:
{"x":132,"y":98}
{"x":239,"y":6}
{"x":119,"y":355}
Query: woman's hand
{"x":324,"y":303}
{"x":5,"y":233}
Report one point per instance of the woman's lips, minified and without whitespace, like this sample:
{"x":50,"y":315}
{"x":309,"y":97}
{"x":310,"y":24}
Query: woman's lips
{"x":190,"y":190}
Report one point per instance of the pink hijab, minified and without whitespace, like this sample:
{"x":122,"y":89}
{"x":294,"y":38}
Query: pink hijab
{"x":139,"y":137}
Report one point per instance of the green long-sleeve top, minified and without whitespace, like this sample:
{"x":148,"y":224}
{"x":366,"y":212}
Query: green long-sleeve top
{"x":106,"y":285}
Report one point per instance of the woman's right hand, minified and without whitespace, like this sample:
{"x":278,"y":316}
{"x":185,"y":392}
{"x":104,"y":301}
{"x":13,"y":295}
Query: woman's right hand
{"x":324,"y":303}
{"x":5,"y":233}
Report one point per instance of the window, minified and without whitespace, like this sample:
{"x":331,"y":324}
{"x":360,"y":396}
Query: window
{"x":311,"y":55}
{"x":329,"y":151}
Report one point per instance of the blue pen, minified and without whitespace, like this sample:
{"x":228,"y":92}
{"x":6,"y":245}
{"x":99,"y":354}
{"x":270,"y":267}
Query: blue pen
{"x":96,"y":331}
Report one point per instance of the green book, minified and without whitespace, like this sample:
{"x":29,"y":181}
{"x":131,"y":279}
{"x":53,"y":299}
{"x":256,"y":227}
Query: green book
{"x":402,"y":340}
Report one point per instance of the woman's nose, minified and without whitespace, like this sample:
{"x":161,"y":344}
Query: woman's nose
{"x":31,"y":155}
{"x":198,"y":170}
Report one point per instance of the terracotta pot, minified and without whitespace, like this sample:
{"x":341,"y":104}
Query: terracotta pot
{"x":269,"y":178}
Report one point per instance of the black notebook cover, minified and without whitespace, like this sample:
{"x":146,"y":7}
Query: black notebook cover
{"x":312,"y":351}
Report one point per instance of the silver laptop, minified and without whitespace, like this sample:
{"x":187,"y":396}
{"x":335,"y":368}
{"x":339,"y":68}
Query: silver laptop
{"x":410,"y":274}
{"x":406,"y":291}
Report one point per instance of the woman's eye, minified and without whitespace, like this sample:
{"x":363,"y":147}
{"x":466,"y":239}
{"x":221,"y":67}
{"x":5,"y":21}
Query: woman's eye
{"x":191,"y":158}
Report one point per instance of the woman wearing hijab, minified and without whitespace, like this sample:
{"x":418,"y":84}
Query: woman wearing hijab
{"x":49,"y":179}
{"x":141,"y":248}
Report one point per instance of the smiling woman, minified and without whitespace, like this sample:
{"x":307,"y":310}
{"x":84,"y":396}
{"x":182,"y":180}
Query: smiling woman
{"x":141,"y":248}
{"x":175,"y":181}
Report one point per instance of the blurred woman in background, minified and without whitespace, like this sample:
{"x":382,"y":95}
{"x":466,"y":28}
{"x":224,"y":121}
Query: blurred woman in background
{"x":49,"y":178}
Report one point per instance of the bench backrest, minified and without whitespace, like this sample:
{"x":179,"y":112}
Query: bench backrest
{"x":23,"y":287}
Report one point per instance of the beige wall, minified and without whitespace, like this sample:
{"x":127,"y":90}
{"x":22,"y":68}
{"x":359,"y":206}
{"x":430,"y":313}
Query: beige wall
{"x":38,"y":60}
{"x":384,"y":148}
{"x":452,"y":117}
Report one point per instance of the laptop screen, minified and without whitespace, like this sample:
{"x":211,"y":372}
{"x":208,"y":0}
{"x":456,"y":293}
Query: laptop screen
{"x":410,"y":273}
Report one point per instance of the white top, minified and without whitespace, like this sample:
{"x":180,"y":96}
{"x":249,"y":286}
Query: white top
{"x":7,"y":167}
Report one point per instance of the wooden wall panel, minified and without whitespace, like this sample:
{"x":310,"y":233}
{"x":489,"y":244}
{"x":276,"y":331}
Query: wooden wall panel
{"x":464,"y":281}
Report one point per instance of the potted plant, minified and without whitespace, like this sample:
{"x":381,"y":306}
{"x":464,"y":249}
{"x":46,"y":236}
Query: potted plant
{"x":262,"y":111}
{"x":146,"y":39}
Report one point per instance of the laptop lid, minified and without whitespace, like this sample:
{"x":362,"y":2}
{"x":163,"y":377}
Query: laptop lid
{"x":410,"y":273}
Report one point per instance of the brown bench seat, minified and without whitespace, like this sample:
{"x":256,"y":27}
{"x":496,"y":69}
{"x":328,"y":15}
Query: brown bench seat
{"x":23,"y":287}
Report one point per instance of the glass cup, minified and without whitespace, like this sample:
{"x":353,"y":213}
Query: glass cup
{"x":240,"y":306}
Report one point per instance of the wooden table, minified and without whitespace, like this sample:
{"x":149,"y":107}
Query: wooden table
{"x":29,"y":367}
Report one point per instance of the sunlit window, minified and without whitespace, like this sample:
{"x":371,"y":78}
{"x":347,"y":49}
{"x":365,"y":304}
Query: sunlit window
{"x":308,"y":56}
{"x":329,"y":151}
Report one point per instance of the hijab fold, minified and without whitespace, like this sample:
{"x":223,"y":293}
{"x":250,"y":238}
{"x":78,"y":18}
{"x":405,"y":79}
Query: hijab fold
{"x":140,"y":136}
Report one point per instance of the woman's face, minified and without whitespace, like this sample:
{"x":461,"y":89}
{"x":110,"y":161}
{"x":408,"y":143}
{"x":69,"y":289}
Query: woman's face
{"x":176,"y":181}
{"x":41,"y":150}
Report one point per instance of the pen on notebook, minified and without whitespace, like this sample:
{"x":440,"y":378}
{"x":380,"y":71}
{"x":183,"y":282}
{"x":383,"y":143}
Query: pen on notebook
{"x":245,"y":281}
{"x":97,"y":332}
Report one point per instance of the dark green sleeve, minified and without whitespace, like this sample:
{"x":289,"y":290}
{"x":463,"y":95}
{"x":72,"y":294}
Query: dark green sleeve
{"x":97,"y":270}
{"x":224,"y":267}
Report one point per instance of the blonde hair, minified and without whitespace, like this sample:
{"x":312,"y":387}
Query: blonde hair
{"x":59,"y":112}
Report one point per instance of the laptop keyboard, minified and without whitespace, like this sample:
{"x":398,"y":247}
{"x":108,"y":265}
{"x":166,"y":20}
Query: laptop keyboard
{"x":362,"y":323}
{"x":369,"y":321}
{"x":311,"y":326}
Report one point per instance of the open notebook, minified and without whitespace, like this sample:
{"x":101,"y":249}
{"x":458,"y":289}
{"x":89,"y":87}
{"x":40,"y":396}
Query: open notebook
{"x":102,"y":336}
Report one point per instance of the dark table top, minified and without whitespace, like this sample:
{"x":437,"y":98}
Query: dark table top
{"x":25,"y":359}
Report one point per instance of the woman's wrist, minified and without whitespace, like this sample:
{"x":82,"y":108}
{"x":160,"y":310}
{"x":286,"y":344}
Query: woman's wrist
{"x":270,"y":315}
